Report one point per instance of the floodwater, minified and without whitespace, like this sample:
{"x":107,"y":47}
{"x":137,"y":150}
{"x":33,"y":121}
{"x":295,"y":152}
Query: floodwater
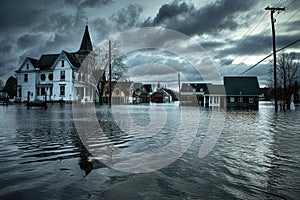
{"x":256,"y":155}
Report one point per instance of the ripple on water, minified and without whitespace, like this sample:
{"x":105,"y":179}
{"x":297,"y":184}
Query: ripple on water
{"x":256,"y":157}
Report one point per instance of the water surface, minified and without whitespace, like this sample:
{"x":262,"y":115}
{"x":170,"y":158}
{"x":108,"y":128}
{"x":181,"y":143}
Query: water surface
{"x":257,"y":156}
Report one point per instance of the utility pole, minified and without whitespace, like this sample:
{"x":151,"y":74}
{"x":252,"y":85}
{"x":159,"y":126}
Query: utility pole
{"x":179,"y":87}
{"x":109,"y":60}
{"x":272,"y":11}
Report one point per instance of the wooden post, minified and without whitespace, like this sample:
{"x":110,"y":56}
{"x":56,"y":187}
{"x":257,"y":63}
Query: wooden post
{"x":272,"y":10}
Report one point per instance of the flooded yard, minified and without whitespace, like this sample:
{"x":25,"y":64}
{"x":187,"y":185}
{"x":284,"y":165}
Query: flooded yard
{"x":44,"y":156}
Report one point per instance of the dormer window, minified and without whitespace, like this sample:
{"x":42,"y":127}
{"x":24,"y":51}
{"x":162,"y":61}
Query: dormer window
{"x":62,"y":63}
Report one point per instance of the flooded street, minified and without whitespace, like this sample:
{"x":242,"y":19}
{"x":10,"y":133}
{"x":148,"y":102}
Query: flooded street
{"x":257,"y":155}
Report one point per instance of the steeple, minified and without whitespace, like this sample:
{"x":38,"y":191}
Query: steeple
{"x":86,"y":43}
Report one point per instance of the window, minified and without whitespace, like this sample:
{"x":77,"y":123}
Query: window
{"x":43,"y":91}
{"x":62,"y":90}
{"x":251,"y":99}
{"x":43,"y":77}
{"x":117,"y":92}
{"x":232,"y":99}
{"x":62,"y":63}
{"x":241,"y":100}
{"x":50,"y":77}
{"x":27,"y":66}
{"x":62,"y":75}
{"x":25,"y":77}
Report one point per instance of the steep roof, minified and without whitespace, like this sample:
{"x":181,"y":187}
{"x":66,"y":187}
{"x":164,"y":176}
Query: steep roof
{"x":204,"y":88}
{"x":47,"y":60}
{"x":124,"y":86}
{"x":72,"y":58}
{"x":172,"y":93}
{"x":241,"y":85}
{"x":186,"y":87}
{"x":148,"y":88}
{"x":137,"y":86}
{"x":86,"y":43}
{"x":216,"y":89}
{"x":33,"y":61}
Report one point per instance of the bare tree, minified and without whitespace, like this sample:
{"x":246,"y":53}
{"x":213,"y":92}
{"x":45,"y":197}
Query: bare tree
{"x":288,"y":69}
{"x":97,"y":66}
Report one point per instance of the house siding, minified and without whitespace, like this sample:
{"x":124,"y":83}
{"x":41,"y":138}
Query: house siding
{"x":40,"y":87}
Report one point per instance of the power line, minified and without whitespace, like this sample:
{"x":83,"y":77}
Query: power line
{"x":251,"y":31}
{"x":247,"y":33}
{"x":272,"y":11}
{"x":270,"y":56}
{"x":279,"y":27}
{"x":289,"y":19}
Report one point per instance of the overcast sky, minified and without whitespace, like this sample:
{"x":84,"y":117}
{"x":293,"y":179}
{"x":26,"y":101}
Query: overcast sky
{"x":235,"y":34}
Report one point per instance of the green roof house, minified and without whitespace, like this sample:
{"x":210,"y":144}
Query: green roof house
{"x":242,"y":92}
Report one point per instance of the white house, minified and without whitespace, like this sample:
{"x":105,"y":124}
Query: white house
{"x":55,"y":77}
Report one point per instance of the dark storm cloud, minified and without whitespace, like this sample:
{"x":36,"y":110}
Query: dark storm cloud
{"x":128,"y":17}
{"x":188,"y":19}
{"x":56,"y":21}
{"x":286,"y":39}
{"x":6,"y":46}
{"x":293,"y":26}
{"x":212,"y":44}
{"x":95,"y":3}
{"x":261,"y":44}
{"x":102,"y":27}
{"x":29,"y":40}
{"x":22,"y":19}
{"x":88,"y":3}
{"x":17,"y":14}
{"x":124,"y":19}
{"x":227,"y":61}
{"x":254,"y":44}
{"x":173,"y":10}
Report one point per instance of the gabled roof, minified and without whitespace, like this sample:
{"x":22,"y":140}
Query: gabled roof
{"x":34,"y":62}
{"x":72,"y":58}
{"x":241,"y":85}
{"x":148,"y":88}
{"x":172,"y":93}
{"x":86,"y":43}
{"x":186,"y":87}
{"x":47,"y":60}
{"x":137,"y":86}
{"x":216,"y":89}
{"x":203,"y":88}
{"x":124,"y":86}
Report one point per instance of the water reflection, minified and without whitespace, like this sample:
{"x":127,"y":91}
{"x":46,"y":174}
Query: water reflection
{"x":256,"y":157}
